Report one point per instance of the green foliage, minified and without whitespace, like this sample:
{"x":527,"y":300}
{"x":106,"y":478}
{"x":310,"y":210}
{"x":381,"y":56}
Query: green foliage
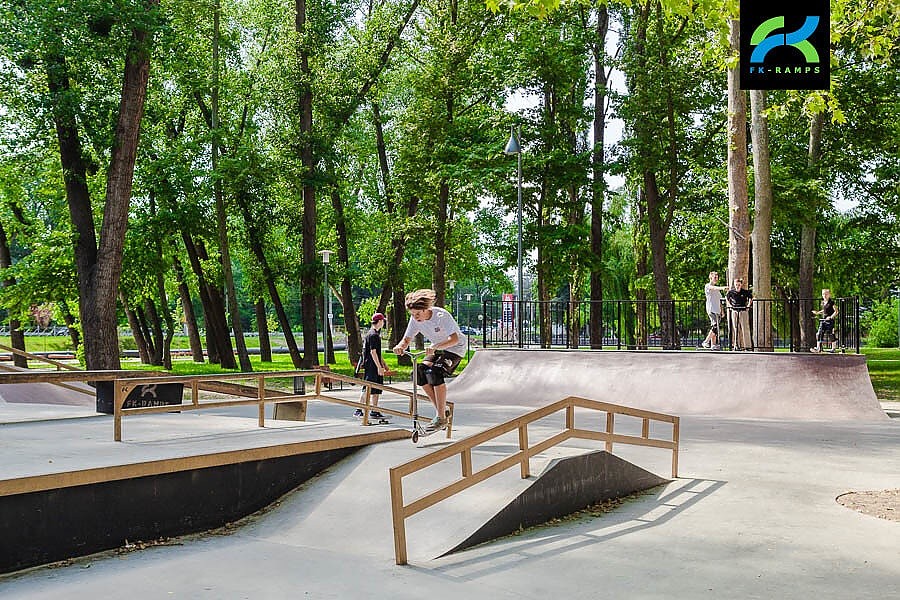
{"x":881,"y":325}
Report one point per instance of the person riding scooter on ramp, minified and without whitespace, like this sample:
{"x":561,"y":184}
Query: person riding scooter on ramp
{"x":448,"y":344}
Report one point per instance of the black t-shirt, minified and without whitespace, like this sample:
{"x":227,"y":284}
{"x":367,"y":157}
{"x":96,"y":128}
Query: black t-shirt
{"x":739,"y":299}
{"x":828,"y":308}
{"x":372,"y":342}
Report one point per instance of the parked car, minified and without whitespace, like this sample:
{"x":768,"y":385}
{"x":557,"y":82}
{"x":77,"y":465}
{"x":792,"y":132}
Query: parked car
{"x":468,"y":330}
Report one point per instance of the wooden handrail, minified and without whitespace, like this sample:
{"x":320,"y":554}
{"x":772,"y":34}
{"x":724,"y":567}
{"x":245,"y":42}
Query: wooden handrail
{"x":123,"y":387}
{"x":463,"y":448}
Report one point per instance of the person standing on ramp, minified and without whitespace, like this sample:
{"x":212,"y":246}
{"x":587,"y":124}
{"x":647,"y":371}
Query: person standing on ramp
{"x":713,"y":310}
{"x":448,"y":344}
{"x":739,"y":300}
{"x":373,"y":366}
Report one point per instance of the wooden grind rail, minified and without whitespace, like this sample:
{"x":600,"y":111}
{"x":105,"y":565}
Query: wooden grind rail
{"x":212,"y":386}
{"x":261,"y":396}
{"x":463,"y":448}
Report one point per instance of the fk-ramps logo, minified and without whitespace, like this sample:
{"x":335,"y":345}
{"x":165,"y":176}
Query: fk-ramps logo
{"x":785,"y":46}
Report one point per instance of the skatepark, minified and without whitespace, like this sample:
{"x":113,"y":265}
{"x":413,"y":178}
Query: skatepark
{"x":767,"y":443}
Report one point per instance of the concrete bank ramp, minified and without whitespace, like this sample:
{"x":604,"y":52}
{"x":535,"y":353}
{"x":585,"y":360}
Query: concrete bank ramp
{"x":566,"y":486}
{"x":725,"y":384}
{"x":68,"y":394}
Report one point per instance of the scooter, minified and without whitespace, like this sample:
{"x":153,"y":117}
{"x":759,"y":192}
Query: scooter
{"x":419,"y":430}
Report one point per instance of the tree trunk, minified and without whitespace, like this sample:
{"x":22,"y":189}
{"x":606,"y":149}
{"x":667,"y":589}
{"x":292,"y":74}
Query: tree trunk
{"x":70,"y":324}
{"x":439,"y":266}
{"x":808,"y":238}
{"x":217,"y":302}
{"x":762,"y":222}
{"x":16,"y":335}
{"x":351,"y":320}
{"x":137,"y":331}
{"x":255,"y":239}
{"x":262,"y":326}
{"x":309,"y":278}
{"x":218,"y":342}
{"x":642,"y":270}
{"x":598,"y":180}
{"x":99,"y":268}
{"x":221,"y":220}
{"x":738,"y":201}
{"x":190,"y":319}
{"x":155,"y":330}
{"x":657,"y":228}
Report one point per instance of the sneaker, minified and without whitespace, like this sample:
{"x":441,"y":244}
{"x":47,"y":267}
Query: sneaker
{"x":715,"y":347}
{"x":706,"y":345}
{"x":375,"y":415}
{"x":816,"y":350}
{"x":358,"y":413}
{"x":437,"y":423}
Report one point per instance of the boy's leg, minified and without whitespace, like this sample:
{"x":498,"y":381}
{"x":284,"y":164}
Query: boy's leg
{"x":440,"y":399}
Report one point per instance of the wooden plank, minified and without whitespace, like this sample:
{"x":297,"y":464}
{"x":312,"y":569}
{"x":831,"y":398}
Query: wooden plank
{"x":37,"y":483}
{"x":398,"y":518}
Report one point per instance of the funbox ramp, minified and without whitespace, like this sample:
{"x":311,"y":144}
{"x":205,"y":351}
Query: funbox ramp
{"x":763,"y":385}
{"x":346,"y":509}
{"x":566,"y":486}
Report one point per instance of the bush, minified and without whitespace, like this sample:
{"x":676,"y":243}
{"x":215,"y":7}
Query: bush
{"x":881,"y":324}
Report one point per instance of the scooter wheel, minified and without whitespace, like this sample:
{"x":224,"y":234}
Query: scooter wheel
{"x":415,"y":437}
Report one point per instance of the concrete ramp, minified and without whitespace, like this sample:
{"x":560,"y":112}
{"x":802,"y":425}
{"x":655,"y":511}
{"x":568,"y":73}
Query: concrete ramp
{"x":567,"y":485}
{"x":724,"y":384}
{"x":62,"y":394}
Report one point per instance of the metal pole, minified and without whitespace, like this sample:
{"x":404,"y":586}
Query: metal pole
{"x":521,"y":288}
{"x":325,"y":326}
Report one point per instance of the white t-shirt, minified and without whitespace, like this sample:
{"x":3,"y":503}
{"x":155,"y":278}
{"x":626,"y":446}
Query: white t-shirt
{"x":713,"y":299}
{"x":438,"y":329}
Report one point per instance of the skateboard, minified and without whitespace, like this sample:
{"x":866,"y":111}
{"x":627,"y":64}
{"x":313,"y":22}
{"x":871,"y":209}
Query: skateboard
{"x":384,"y":420}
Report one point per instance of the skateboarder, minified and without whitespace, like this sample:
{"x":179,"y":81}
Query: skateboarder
{"x":826,"y":325}
{"x":448,"y":344}
{"x":373,"y":365}
{"x":739,"y":301}
{"x":713,"y":310}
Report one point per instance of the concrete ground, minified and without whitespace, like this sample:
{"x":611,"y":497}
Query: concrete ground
{"x":752,"y":515}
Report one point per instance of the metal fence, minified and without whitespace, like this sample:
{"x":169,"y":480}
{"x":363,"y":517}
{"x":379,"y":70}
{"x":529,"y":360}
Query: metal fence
{"x":775,"y":324}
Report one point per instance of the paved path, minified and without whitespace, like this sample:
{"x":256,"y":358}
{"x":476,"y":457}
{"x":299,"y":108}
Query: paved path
{"x":753,"y":516}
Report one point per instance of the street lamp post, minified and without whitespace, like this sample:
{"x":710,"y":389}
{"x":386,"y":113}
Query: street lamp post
{"x":514,"y":147}
{"x":326,"y":324}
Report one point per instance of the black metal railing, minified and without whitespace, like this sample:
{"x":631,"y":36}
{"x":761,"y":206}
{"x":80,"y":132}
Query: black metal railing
{"x":775,"y":324}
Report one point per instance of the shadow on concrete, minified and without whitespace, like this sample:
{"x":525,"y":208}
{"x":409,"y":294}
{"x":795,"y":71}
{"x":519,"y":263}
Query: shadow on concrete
{"x":552,"y":540}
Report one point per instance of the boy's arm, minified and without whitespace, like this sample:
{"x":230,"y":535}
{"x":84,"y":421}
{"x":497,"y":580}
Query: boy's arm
{"x":402,"y":346}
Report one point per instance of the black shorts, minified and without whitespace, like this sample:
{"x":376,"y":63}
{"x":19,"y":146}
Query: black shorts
{"x":372,"y":375}
{"x":826,"y":332}
{"x":443,"y":365}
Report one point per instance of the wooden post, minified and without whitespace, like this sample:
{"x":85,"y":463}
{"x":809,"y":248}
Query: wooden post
{"x":466,"y":457}
{"x":610,"y":424}
{"x":118,"y":401}
{"x":525,"y":465}
{"x":645,"y":428}
{"x":367,"y":402}
{"x":261,"y":391}
{"x":570,"y":416}
{"x":398,"y":517}
{"x":675,"y":436}
{"x":195,"y":392}
{"x":450,"y":419}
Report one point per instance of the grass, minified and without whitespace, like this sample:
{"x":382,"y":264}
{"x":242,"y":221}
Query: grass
{"x":884,"y":371}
